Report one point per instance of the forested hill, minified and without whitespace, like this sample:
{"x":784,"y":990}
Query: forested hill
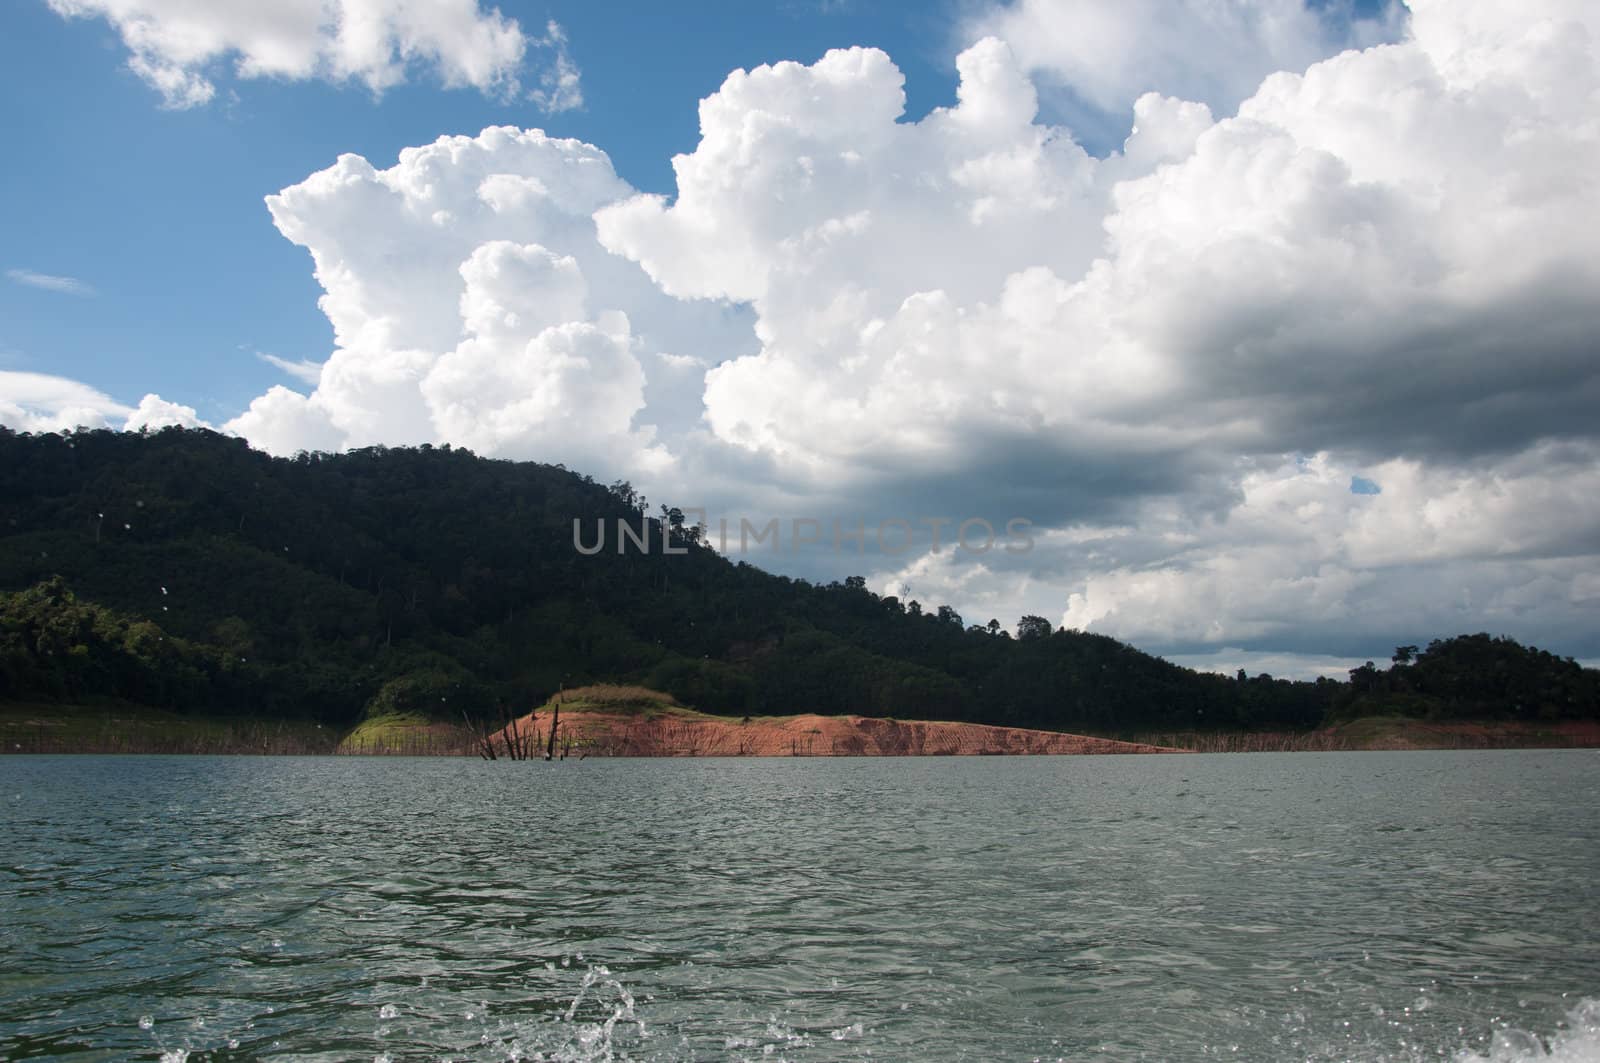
{"x":183,"y":569}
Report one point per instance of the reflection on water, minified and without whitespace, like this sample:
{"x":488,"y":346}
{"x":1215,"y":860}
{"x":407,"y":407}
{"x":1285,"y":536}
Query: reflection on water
{"x":1393,"y":906}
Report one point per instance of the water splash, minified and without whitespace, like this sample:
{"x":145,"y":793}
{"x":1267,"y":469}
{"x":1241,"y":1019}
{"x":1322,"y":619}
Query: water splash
{"x":598,"y":1025}
{"x":596,"y":1041}
{"x":1578,"y":1042}
{"x":845,"y":1033}
{"x":776,"y":1037}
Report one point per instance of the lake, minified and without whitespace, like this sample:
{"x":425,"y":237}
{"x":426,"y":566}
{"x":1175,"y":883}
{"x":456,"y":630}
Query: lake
{"x":1343,"y":906}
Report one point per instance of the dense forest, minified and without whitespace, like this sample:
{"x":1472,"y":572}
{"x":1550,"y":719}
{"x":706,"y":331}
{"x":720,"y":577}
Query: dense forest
{"x":184,"y":570}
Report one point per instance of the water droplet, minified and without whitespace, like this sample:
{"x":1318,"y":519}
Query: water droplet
{"x":1516,"y":1044}
{"x":146,"y":1022}
{"x":388,"y":1011}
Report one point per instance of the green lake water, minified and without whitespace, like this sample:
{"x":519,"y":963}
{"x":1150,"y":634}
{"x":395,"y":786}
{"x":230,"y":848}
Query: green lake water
{"x":1348,"y":906}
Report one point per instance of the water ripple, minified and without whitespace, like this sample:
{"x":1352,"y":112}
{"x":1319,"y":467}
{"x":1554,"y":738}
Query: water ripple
{"x":1372,"y":907}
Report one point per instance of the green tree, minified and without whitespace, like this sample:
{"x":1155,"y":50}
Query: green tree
{"x":1032,"y":627}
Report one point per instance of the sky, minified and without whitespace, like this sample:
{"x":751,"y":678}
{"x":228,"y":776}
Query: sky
{"x":1269,"y":325}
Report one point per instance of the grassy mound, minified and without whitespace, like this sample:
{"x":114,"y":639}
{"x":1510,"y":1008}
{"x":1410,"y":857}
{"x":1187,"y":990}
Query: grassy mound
{"x":612,"y":698}
{"x":405,"y":734}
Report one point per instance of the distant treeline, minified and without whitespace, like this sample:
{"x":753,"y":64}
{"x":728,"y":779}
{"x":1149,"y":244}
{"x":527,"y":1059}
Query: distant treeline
{"x":182,"y":569}
{"x":1472,"y":677}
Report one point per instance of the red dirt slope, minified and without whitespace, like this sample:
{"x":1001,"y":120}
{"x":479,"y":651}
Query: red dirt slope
{"x":680,"y":733}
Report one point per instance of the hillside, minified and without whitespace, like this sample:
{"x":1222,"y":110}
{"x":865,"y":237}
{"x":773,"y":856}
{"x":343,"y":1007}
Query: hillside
{"x":183,"y":570}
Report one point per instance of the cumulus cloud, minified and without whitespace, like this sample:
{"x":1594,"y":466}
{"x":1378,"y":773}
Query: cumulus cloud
{"x":49,"y":282}
{"x":41,"y":402}
{"x":1326,"y":270}
{"x":154,"y":413}
{"x":176,"y":45}
{"x":284,"y":421}
{"x":865,"y":244}
{"x":472,"y":303}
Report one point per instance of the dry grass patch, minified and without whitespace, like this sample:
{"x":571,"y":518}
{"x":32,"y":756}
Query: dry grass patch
{"x":611,"y":697}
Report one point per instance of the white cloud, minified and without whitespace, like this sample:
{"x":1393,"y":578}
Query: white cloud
{"x":305,"y":370}
{"x":1509,"y":545}
{"x":1229,"y":659}
{"x":49,"y":282}
{"x":1293,"y":278}
{"x":285,"y":422}
{"x":176,"y":45}
{"x":472,"y":303}
{"x":41,"y":402}
{"x":1300,"y":563}
{"x":560,"y":83}
{"x":1110,"y":54}
{"x":154,"y":413}
{"x":862,"y":242}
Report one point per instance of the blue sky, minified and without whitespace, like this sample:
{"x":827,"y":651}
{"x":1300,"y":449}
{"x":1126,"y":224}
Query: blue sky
{"x":1315,"y":382}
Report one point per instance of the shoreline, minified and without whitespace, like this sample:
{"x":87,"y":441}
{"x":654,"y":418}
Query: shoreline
{"x":681,"y":733}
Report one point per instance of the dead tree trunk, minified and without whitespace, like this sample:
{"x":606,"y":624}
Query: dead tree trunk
{"x":510,"y":736}
{"x":481,"y":737}
{"x":555,"y":725}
